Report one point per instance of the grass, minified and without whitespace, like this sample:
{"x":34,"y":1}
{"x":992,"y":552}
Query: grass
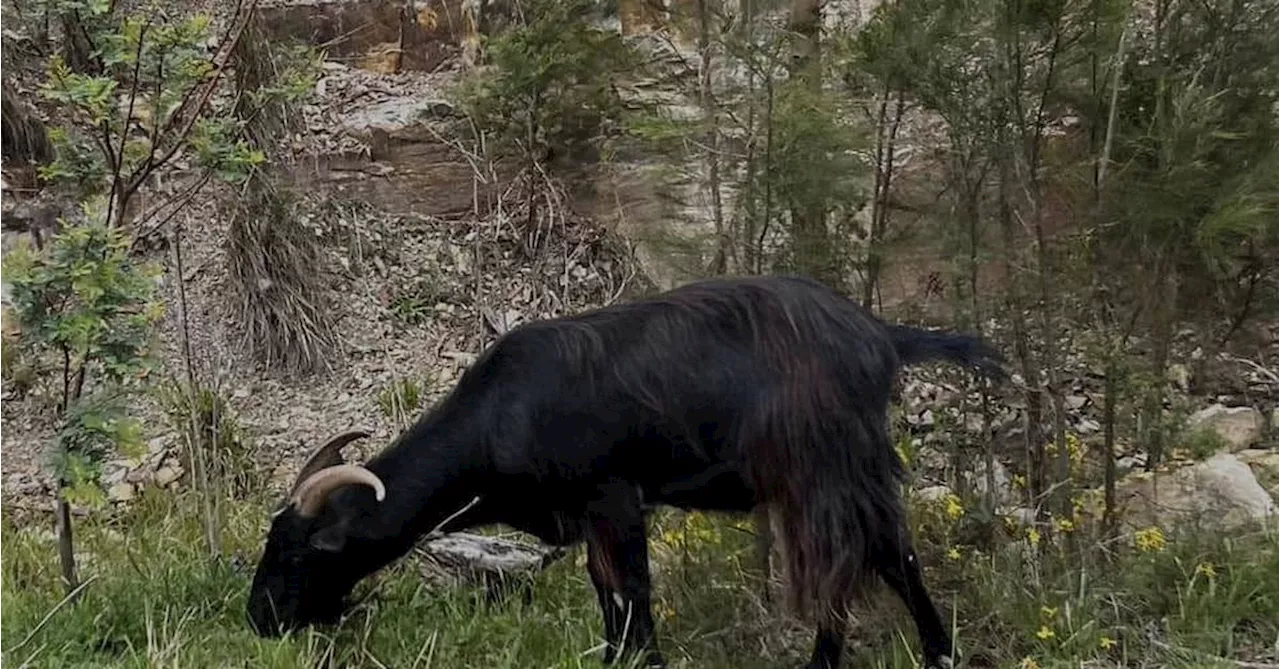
{"x":157,"y":601}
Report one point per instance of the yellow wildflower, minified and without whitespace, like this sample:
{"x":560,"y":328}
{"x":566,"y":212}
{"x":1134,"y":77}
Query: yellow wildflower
{"x":1206,"y":569}
{"x":1019,"y":481}
{"x":1106,"y":643}
{"x":953,"y":554}
{"x":1044,"y":633}
{"x":1029,"y":663}
{"x":1033,"y":536}
{"x":1049,"y":612}
{"x":953,"y":506}
{"x":1150,"y":540}
{"x":1065,"y":525}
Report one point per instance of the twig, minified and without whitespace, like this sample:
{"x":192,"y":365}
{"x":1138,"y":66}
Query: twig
{"x":437,"y":532}
{"x":71,"y":596}
{"x":1255,"y":367}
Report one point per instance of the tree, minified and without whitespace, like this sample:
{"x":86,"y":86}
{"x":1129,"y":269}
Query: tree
{"x":85,"y":309}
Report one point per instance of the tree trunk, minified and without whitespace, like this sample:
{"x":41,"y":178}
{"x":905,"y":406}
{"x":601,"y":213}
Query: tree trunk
{"x":1161,"y":340}
{"x":886,"y":144}
{"x":1109,"y":446}
{"x":66,"y":542}
{"x":724,"y":249}
{"x":24,"y":137}
{"x":1014,"y":302}
{"x":814,"y":255}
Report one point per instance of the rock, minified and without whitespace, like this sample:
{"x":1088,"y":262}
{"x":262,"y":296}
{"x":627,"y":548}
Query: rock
{"x":168,"y":475}
{"x":1260,"y":456}
{"x":1088,"y":426}
{"x":933,"y":493}
{"x":1075,"y":402}
{"x":121,"y":492}
{"x":360,"y":31}
{"x":977,"y":479}
{"x":1240,"y":427}
{"x":1222,"y":490}
{"x":1130,"y":462}
{"x":114,"y":473}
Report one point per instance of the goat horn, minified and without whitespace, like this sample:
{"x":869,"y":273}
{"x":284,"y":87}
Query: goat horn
{"x":311,"y":495}
{"x":328,"y":455}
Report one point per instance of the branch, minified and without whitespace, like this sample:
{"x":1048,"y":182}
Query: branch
{"x":117,"y":160}
{"x":226,"y":48}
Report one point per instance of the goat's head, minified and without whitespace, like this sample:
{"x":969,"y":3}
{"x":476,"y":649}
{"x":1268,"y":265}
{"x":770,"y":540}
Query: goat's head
{"x":313,"y":558}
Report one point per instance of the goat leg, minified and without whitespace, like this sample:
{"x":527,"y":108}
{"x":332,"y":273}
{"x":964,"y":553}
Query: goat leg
{"x":618,"y":558}
{"x":900,"y":569}
{"x":828,"y":644}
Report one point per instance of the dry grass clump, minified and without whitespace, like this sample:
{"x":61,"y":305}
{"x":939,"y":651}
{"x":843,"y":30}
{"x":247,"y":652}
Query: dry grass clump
{"x":276,"y":298}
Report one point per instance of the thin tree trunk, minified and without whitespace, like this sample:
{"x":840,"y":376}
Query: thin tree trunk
{"x":886,"y":144}
{"x":66,"y":543}
{"x":724,"y":249}
{"x":813,"y":252}
{"x":1109,"y":447}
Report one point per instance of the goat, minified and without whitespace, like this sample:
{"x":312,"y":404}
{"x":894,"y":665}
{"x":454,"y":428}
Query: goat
{"x":719,"y":395}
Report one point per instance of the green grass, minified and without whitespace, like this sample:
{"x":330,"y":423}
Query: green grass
{"x":157,"y":601}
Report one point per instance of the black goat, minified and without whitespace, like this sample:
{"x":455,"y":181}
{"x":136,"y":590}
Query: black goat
{"x":719,"y":395}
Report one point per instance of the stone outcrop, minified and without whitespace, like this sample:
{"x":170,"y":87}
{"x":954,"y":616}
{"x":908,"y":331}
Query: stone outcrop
{"x":379,"y":35}
{"x":1238,"y":427}
{"x":1221,"y":491}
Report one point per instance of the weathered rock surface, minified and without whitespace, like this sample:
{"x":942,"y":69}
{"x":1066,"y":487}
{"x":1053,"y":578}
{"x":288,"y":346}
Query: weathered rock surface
{"x":379,"y":35}
{"x":1239,"y":427}
{"x":1221,"y":490}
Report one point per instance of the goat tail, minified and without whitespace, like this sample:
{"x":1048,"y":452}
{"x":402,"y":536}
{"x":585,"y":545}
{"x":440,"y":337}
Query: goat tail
{"x":832,"y":508}
{"x":915,"y":346}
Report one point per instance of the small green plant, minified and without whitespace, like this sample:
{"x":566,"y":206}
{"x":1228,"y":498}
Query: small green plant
{"x":1201,"y":444}
{"x":401,"y":400}
{"x":207,"y":423}
{"x":550,"y":81}
{"x":415,"y":303}
{"x":87,"y":308}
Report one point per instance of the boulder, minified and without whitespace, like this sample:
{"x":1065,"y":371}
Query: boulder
{"x":1222,"y":490}
{"x":1239,"y":427}
{"x":977,"y":480}
{"x":121,"y":492}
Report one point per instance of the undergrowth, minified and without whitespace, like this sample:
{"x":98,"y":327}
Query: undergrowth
{"x":156,"y":600}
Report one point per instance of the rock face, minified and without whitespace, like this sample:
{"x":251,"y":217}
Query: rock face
{"x":1239,"y":427}
{"x":1221,"y":490}
{"x":380,"y":35}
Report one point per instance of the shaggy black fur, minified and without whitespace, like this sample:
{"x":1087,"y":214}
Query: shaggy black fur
{"x":719,"y":395}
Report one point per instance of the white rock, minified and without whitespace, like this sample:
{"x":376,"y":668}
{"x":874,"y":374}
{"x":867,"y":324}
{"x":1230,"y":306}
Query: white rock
{"x":933,"y":493}
{"x":121,"y":492}
{"x":1221,"y":491}
{"x":114,"y":473}
{"x":977,"y":478}
{"x":1240,"y":427}
{"x":1088,"y":426}
{"x":168,"y":474}
{"x":1075,"y":402}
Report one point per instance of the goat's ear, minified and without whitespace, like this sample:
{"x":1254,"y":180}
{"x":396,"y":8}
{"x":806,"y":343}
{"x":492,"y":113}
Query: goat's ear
{"x":330,"y":539}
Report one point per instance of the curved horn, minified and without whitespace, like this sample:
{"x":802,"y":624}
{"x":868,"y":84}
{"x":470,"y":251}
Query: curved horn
{"x":311,"y":495}
{"x":328,"y":455}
